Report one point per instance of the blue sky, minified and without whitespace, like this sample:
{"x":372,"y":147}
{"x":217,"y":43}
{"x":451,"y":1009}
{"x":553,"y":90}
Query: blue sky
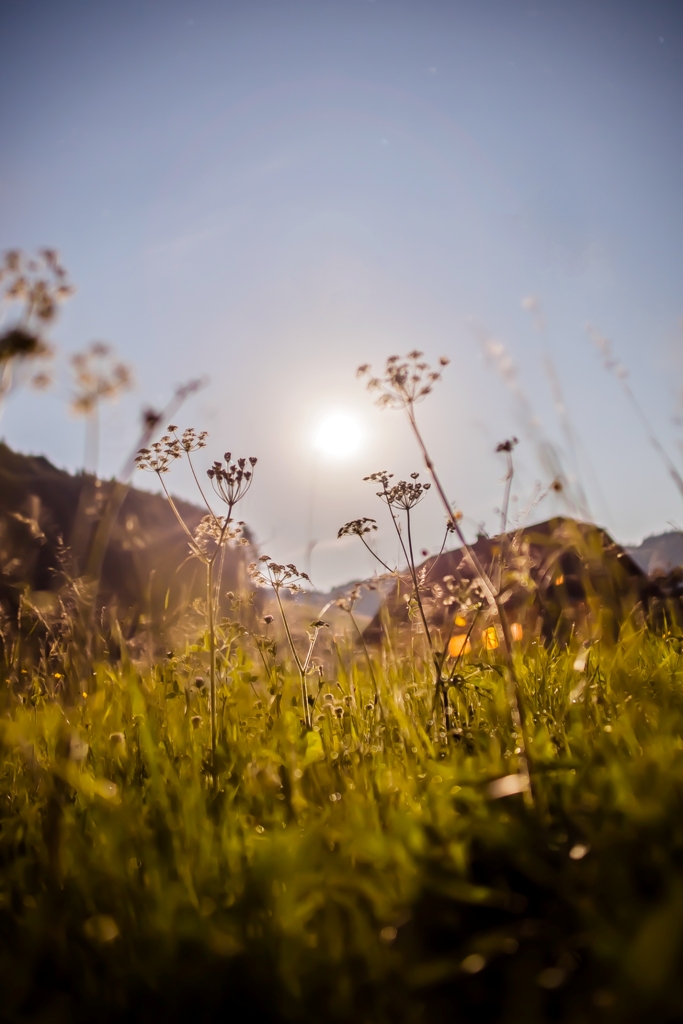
{"x":269,"y":194}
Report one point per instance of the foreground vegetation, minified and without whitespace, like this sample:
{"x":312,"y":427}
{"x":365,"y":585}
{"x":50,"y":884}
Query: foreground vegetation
{"x":366,"y":870}
{"x":417,"y":832}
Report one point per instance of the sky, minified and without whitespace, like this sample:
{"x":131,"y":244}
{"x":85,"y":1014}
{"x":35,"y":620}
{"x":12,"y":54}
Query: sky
{"x":267,"y":195}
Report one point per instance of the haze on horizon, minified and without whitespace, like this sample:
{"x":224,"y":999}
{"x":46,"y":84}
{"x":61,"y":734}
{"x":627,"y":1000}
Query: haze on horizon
{"x":270,"y":194}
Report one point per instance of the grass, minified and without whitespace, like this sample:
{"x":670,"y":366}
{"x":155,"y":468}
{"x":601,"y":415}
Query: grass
{"x":382,"y":836}
{"x":363,"y":870}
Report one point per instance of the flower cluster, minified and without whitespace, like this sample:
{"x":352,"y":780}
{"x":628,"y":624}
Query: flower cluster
{"x":402,"y":496}
{"x":159,"y":456}
{"x":215,"y":530}
{"x":40,"y":283}
{"x":190,"y":440}
{"x":508,"y":445}
{"x":97,"y":376}
{"x":231,"y":480}
{"x":357,"y":527}
{"x":405,"y":381}
{"x":267,"y":573}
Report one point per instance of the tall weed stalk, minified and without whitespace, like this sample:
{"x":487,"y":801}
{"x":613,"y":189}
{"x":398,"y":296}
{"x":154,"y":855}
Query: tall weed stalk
{"x":230,"y":481}
{"x":404,"y":384}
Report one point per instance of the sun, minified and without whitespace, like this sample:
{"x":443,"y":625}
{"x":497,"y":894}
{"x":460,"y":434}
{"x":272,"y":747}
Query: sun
{"x":338,"y":436}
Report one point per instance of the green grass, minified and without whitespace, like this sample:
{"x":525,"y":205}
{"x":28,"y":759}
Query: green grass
{"x":360,"y":872}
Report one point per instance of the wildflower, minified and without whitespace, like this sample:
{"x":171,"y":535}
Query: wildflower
{"x":405,"y":381}
{"x":20,"y":343}
{"x":97,"y":377}
{"x":231,"y":480}
{"x":158,"y":458}
{"x":191,"y":440}
{"x":357,"y":527}
{"x":212,"y":532}
{"x":402,"y":496}
{"x":279,"y":577}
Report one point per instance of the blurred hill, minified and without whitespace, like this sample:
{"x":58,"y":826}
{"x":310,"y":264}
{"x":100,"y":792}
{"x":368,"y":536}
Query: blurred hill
{"x":124,"y":545}
{"x":562,"y":576}
{"x":659,"y":554}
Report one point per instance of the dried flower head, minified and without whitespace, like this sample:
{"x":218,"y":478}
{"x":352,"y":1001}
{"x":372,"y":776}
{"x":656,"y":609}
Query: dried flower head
{"x":267,"y":573}
{"x":159,"y":456}
{"x":232,"y":479}
{"x":403,"y":495}
{"x":190,"y":440}
{"x":357,"y":527}
{"x":38,"y":282}
{"x":39,"y":285}
{"x":97,"y":376}
{"x":19,"y":343}
{"x":405,"y":381}
{"x":215,"y":530}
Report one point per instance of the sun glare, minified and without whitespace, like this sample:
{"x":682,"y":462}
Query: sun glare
{"x":338,"y":436}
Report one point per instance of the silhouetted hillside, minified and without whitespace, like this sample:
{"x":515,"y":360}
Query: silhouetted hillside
{"x":124,"y":543}
{"x":659,"y":554}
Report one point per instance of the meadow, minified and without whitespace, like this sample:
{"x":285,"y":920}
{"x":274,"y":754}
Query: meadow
{"x":368,"y":869}
{"x":275,"y":820}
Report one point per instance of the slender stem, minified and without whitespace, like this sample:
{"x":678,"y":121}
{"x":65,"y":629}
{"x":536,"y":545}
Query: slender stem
{"x":304,"y":690}
{"x":504,"y":521}
{"x":416,"y":585}
{"x":441,"y":550}
{"x":311,"y":645}
{"x":219,"y":576}
{"x":212,"y":662}
{"x":221,"y":546}
{"x":471,"y":556}
{"x":5,"y":378}
{"x":266,"y":664}
{"x":375,"y":555}
{"x":408,"y":555}
{"x":367,"y":656}
{"x":513,"y":688}
{"x":287,"y":630}
{"x":180,"y":519}
{"x":92,"y":433}
{"x":199,"y":486}
{"x":506,"y":497}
